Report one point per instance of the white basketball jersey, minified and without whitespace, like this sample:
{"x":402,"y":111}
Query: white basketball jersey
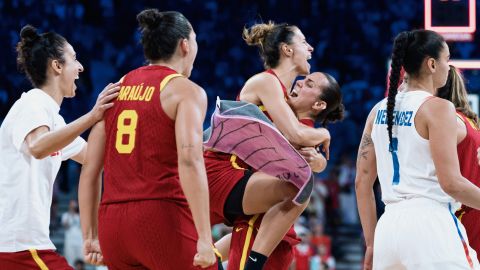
{"x":407,"y":171}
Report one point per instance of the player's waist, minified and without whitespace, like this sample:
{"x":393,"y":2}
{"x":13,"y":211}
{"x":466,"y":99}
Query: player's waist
{"x":421,"y":202}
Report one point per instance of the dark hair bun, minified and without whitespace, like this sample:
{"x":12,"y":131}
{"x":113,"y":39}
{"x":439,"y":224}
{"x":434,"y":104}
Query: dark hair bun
{"x":149,"y":18}
{"x":28,"y":33}
{"x":337,"y":114}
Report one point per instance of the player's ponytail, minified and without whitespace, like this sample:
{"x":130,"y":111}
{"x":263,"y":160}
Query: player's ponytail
{"x":268,"y":37}
{"x":255,"y":35}
{"x":161,"y":32}
{"x":400,"y":46}
{"x":332,"y":95}
{"x":35,"y":51}
{"x":455,"y":91}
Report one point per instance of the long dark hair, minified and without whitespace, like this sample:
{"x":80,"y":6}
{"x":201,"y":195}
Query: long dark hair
{"x":161,"y":32}
{"x":268,"y":37}
{"x":332,"y":95}
{"x":35,"y":51}
{"x":456,"y":92}
{"x":409,"y":50}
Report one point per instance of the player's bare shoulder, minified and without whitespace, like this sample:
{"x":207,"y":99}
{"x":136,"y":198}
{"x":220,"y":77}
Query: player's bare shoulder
{"x":260,"y":83}
{"x":183,"y":88}
{"x":434,"y":107}
{"x":373,"y":113}
{"x":261,"y":80}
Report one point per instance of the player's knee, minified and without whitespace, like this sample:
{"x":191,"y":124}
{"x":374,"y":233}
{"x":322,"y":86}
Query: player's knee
{"x":304,"y":205}
{"x":290,"y":206}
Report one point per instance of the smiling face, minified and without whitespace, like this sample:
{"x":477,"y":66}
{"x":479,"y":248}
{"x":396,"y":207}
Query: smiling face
{"x":71,"y":68}
{"x":301,"y":52}
{"x":305,"y":95}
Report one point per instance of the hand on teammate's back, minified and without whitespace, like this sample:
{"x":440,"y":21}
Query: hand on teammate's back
{"x":205,"y":256}
{"x":104,"y":100}
{"x":91,"y":252}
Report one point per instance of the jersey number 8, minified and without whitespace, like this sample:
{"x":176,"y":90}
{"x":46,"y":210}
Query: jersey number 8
{"x":126,"y":128}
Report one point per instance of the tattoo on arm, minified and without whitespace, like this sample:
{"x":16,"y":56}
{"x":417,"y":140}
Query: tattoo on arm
{"x":365,"y":146}
{"x":187,"y":146}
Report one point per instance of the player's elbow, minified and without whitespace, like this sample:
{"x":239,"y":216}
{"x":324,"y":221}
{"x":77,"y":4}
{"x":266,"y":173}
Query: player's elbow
{"x":190,"y":161}
{"x":36,"y":151}
{"x":363,"y":182}
{"x":449,"y":185}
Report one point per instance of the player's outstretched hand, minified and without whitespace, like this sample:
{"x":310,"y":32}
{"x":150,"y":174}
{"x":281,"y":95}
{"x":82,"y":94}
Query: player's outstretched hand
{"x":91,"y":252}
{"x":205,"y":256}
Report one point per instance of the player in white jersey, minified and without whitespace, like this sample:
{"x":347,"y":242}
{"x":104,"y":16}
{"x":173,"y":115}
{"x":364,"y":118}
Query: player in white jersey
{"x":410,"y":141}
{"x":34,"y":140}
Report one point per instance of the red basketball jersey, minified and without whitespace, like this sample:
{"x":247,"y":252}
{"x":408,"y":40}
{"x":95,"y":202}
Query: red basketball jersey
{"x":140,"y":150}
{"x":467,"y":151}
{"x":467,"y":156}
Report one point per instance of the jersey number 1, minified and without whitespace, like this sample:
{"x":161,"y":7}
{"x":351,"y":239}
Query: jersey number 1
{"x":126,"y":127}
{"x":396,"y":165}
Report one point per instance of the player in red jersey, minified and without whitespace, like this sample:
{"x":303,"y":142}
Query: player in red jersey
{"x":154,"y":212}
{"x":237,"y":191}
{"x":316,"y":87}
{"x":468,"y":141}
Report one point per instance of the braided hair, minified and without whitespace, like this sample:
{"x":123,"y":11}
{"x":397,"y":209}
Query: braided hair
{"x":410,"y":48}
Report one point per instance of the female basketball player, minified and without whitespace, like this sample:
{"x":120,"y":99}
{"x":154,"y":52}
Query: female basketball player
{"x":34,"y":140}
{"x":408,"y":141}
{"x":316,"y":87}
{"x":154,"y":212}
{"x":468,"y":140}
{"x":235,"y":191}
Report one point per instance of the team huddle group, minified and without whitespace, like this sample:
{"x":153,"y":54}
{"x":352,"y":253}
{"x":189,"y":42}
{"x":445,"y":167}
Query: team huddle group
{"x":162,"y":190}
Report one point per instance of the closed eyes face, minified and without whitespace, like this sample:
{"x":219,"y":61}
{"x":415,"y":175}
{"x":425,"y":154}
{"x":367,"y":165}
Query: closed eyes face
{"x":307,"y":92}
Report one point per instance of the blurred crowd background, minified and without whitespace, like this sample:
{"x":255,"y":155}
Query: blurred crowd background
{"x":352,"y":41}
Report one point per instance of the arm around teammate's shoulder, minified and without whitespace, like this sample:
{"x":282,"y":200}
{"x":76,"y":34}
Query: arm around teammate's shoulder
{"x":42,"y":141}
{"x":269,"y":91}
{"x":441,"y":120}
